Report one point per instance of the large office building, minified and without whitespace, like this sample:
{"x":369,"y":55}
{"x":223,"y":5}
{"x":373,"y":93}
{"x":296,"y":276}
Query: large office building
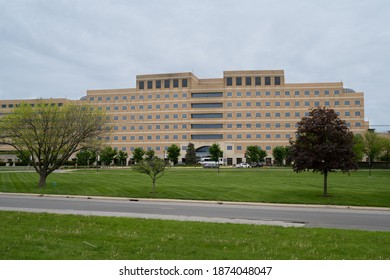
{"x":240,"y":109}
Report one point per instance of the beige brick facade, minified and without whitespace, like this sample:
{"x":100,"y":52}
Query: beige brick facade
{"x":243,"y":108}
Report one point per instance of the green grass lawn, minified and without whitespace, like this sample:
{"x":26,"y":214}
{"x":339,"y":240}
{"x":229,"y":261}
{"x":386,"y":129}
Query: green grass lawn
{"x":252,"y":185}
{"x":51,"y":236}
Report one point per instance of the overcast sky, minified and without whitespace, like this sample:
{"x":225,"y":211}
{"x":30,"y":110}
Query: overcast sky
{"x":51,"y":48}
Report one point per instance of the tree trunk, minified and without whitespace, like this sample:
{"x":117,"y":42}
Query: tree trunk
{"x":42,"y":180}
{"x":154,"y":186}
{"x":325,"y":184}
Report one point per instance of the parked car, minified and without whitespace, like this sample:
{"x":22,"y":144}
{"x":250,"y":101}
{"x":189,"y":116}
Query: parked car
{"x":243,"y":165}
{"x":210,"y":165}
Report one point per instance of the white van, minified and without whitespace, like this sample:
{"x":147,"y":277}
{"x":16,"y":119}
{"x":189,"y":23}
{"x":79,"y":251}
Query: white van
{"x":208,"y":161}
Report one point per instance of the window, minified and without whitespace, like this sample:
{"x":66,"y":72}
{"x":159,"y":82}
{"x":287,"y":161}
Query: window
{"x":158,"y":84}
{"x":207,"y":116}
{"x":287,"y":103}
{"x":297,"y":104}
{"x":206,"y":126}
{"x":326,"y":92}
{"x":287,"y":93}
{"x":277,"y":81}
{"x":248,"y":104}
{"x":229,"y":148}
{"x":336,"y":92}
{"x":248,"y":136}
{"x":287,"y":114}
{"x":307,"y":92}
{"x":268,"y":104}
{"x":175,"y":83}
{"x":268,"y":136}
{"x":108,"y":98}
{"x":258,"y":115}
{"x":347,"y":103}
{"x":357,"y":114}
{"x":258,"y":136}
{"x":307,"y":103}
{"x":238,"y":93}
{"x":239,"y":115}
{"x":317,"y":92}
{"x":229,"y":104}
{"x":257,"y":81}
{"x":238,"y":81}
{"x":141,"y":84}
{"x":238,"y":104}
{"x":357,"y":102}
{"x":229,"y":81}
{"x":206,"y":136}
{"x":167,"y":83}
{"x":229,"y":94}
{"x":277,"y":104}
{"x":258,"y":104}
{"x":248,"y":115}
{"x":297,"y":93}
{"x":248,"y":94}
{"x":207,"y":105}
{"x":248,"y":81}
{"x":267,"y":81}
{"x":207,"y":94}
{"x":184,"y":83}
{"x":150,"y":84}
{"x":347,"y":114}
{"x":277,"y":115}
{"x":317,"y":104}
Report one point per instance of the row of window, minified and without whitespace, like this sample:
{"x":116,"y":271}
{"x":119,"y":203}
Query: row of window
{"x":257,"y":81}
{"x":228,"y":115}
{"x":184,"y":95}
{"x":231,"y":104}
{"x":212,"y":126}
{"x":200,"y":137}
{"x":3,"y":106}
{"x":167,"y":83}
{"x":183,"y":148}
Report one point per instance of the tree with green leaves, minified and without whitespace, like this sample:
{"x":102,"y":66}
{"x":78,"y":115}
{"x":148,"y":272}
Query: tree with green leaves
{"x":279,"y":153}
{"x":173,"y":153}
{"x":122,"y":156}
{"x":373,"y":147}
{"x":386,"y":149}
{"x":24,"y":157}
{"x":85,"y":157}
{"x":190,"y":154}
{"x":254,"y":154}
{"x":150,"y":154}
{"x":138,"y":154}
{"x":153,"y":167}
{"x":324,"y":144}
{"x":215,"y":153}
{"x":358,"y":147}
{"x":107,"y":155}
{"x":52,"y":133}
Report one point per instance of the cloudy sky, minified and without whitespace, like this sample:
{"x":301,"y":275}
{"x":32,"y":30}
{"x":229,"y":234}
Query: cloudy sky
{"x":59,"y":48}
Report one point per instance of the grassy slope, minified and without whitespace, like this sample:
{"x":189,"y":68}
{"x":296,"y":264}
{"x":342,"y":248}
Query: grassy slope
{"x":259,"y":185}
{"x":50,"y":236}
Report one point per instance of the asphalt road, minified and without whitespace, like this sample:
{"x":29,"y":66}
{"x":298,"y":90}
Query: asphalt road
{"x":251,"y":213}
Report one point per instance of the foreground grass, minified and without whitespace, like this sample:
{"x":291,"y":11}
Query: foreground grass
{"x":51,"y":236}
{"x":254,"y":185}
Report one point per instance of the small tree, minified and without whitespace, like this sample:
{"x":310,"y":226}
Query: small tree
{"x":138,"y":154}
{"x":24,"y":156}
{"x":150,"y":154}
{"x":85,"y":157}
{"x":215,"y":153}
{"x":279,"y":153}
{"x":323,"y":144}
{"x":190,"y":154}
{"x":154,"y":168}
{"x":254,"y":154}
{"x":173,"y":153}
{"x":373,"y":146}
{"x":358,"y":147}
{"x":122,"y":156}
{"x":107,"y":155}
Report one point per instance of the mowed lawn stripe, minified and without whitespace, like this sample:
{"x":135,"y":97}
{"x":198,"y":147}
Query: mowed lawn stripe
{"x":271,"y":185}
